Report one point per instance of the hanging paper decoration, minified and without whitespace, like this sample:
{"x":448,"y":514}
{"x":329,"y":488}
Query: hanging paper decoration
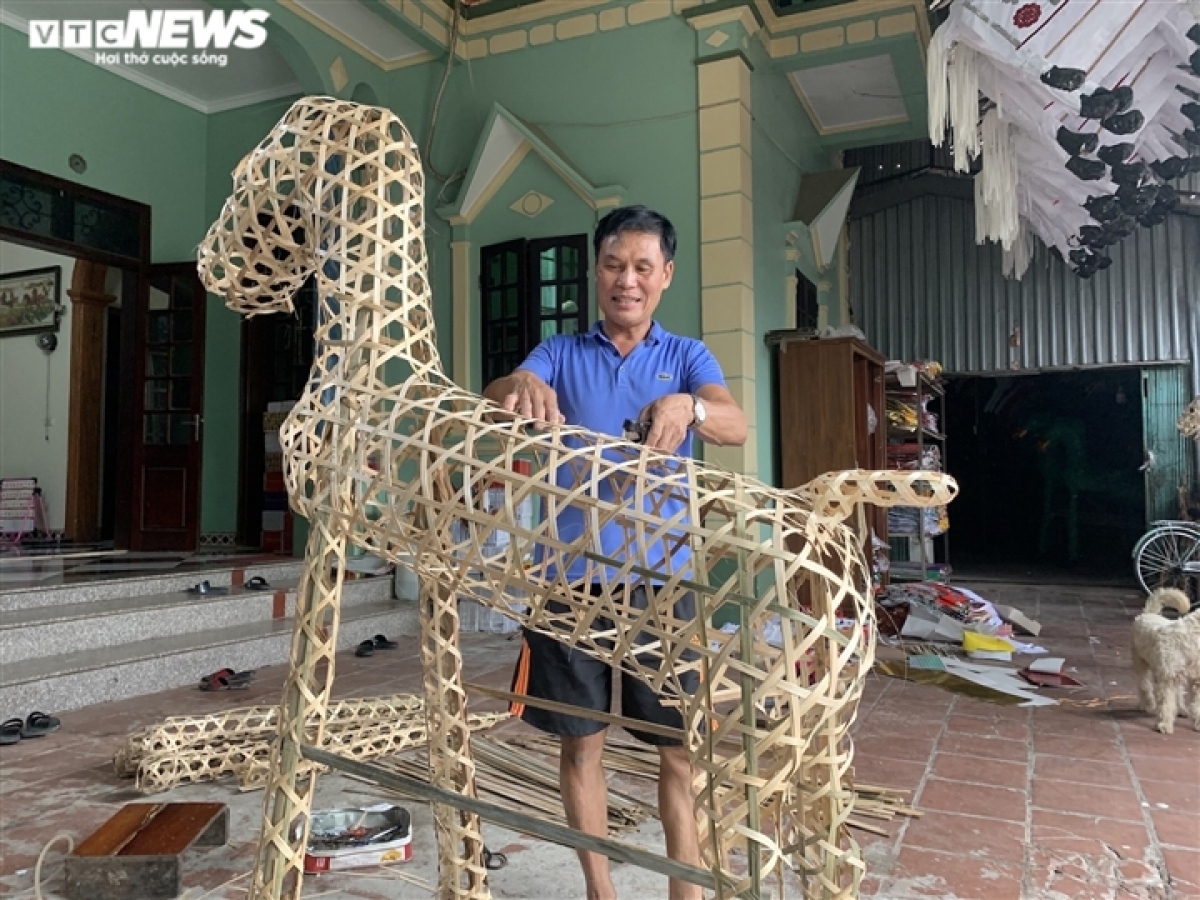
{"x":1080,"y":112}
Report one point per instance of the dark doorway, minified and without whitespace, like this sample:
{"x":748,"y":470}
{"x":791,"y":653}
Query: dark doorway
{"x":277,"y":354}
{"x":807,"y":307}
{"x":1048,"y":466}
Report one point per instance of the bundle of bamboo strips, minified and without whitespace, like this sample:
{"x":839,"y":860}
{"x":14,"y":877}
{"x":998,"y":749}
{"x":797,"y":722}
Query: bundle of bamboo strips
{"x":640,"y":760}
{"x":190,"y":749}
{"x":523,"y":782}
{"x":875,"y":802}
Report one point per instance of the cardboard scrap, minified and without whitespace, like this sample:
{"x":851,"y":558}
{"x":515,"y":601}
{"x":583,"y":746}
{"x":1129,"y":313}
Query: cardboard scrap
{"x":922,"y":626}
{"x":1051,"y":665}
{"x":1019,"y":620}
{"x":1048,"y":673}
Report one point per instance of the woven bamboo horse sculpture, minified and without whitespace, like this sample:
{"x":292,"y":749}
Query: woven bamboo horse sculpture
{"x":384,"y":452}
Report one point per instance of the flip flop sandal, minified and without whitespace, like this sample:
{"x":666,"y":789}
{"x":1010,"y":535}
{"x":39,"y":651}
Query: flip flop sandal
{"x":366,"y":648}
{"x":39,"y":724}
{"x":257,"y":583}
{"x":228,"y":675}
{"x":205,"y":588}
{"x":382,"y":643}
{"x":10,"y":731}
{"x":222,"y":683}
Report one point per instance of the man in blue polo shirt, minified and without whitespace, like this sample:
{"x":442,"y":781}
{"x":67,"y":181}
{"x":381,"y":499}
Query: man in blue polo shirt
{"x":626,"y":367}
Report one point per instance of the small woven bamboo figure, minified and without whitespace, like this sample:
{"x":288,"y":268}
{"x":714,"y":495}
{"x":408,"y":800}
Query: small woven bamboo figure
{"x":336,"y":190}
{"x":1189,"y":421}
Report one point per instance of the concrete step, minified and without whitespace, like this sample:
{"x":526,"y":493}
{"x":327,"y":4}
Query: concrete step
{"x":64,"y":628}
{"x":75,"y":679}
{"x":280,"y":569}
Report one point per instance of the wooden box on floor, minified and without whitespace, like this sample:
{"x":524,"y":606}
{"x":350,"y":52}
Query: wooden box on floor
{"x":829,"y":394}
{"x":136,"y":853}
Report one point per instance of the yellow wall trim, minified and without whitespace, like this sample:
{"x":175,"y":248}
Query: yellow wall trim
{"x":462,"y":315}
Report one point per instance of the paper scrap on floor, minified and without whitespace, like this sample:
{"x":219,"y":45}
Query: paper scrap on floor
{"x":1004,"y":679}
{"x":929,"y":661}
{"x":986,"y":646}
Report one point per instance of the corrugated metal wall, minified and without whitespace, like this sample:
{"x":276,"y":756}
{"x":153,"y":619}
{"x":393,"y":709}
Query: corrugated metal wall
{"x":922,"y":289}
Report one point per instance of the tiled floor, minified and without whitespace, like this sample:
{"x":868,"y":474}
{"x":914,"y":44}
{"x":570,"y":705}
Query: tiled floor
{"x":1069,"y":801}
{"x":1082,"y":800}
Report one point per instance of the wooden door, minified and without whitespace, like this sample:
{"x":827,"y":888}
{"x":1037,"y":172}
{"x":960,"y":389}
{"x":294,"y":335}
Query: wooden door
{"x":169,"y":399}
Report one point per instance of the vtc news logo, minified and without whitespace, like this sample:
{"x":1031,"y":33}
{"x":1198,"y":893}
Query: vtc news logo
{"x":174,"y":30}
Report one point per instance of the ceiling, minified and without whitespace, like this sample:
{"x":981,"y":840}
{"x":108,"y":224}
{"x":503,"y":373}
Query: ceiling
{"x":367,"y":30}
{"x":249,"y":76}
{"x":857,"y":93}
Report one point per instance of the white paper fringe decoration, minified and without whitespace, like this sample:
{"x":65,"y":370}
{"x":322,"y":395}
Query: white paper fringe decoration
{"x":997,"y":183}
{"x":964,"y":105}
{"x":1016,"y":259}
{"x":937,"y":74}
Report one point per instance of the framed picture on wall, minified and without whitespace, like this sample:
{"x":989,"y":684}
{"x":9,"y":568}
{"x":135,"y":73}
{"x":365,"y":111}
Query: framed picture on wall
{"x":29,"y":301}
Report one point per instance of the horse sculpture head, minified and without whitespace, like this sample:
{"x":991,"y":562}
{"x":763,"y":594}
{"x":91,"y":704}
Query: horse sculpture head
{"x":337,"y":190}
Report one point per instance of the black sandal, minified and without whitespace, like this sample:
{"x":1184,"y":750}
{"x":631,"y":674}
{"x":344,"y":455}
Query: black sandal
{"x":366,"y":648}
{"x":39,"y":724}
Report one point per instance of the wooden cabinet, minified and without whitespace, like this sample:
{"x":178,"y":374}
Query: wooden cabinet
{"x":829,"y":413}
{"x":830,"y":407}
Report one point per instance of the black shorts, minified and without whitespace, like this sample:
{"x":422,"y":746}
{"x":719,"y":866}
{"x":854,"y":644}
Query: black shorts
{"x":552,"y":670}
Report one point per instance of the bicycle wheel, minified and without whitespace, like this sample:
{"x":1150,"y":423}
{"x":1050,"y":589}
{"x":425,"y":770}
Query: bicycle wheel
{"x":1161,"y":555}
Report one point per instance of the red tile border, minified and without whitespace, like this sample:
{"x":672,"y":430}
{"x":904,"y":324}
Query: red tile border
{"x":1073,"y":748}
{"x":972,"y":799}
{"x":1090,"y":771}
{"x":994,"y":772}
{"x":902,"y":775}
{"x":1087,"y":834}
{"x":923,"y":873}
{"x":986,"y":747}
{"x":1010,"y":729}
{"x":1181,"y":796}
{"x":1086,"y":799}
{"x":880,"y":747}
{"x":1177,"y":829}
{"x":961,"y":835}
{"x":1183,"y":867}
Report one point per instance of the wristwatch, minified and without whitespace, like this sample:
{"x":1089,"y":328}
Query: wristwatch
{"x":699,"y":413}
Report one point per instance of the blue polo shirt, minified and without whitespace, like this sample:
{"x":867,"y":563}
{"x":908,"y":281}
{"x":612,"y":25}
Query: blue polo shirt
{"x":599,"y":389}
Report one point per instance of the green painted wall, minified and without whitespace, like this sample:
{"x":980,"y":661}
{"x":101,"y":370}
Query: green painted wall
{"x":620,"y":106}
{"x":496,"y":223}
{"x":631,"y":122}
{"x":137,"y":143}
{"x":785,"y":146}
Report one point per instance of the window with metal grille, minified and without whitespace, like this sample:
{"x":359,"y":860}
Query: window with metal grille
{"x":530,"y":290}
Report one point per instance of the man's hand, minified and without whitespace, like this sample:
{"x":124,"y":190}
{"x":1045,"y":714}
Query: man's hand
{"x":529,"y":396}
{"x":669,"y":416}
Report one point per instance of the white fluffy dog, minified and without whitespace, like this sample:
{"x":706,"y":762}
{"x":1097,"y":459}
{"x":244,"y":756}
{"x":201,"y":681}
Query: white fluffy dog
{"x":1166,"y":658}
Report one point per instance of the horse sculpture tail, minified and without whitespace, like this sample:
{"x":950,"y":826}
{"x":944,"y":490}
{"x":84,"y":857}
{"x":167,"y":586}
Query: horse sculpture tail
{"x":835,"y":495}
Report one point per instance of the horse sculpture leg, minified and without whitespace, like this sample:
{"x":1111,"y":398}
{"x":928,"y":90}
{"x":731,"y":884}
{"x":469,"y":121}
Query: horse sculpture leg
{"x":279,"y":867}
{"x":460,"y":840}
